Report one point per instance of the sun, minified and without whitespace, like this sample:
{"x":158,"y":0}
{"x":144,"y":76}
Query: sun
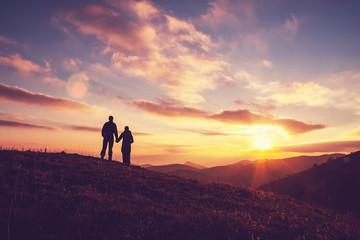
{"x":262,"y":143}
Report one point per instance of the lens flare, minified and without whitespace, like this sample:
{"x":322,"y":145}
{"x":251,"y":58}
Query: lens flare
{"x":77,"y":85}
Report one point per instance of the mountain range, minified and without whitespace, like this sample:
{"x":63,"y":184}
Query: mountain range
{"x":246,"y":173}
{"x":334,"y":184}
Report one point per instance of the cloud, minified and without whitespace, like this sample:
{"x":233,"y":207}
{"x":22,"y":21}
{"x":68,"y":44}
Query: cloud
{"x":15,"y":124}
{"x":107,"y":25}
{"x":173,"y":148}
{"x":144,"y":10}
{"x":297,"y":127}
{"x":28,"y":67}
{"x":20,"y":95}
{"x":311,"y":94}
{"x":54,"y":81}
{"x":210,"y":133}
{"x":356,"y":132}
{"x":248,"y":118}
{"x":257,"y":41}
{"x":328,"y":91}
{"x":7,"y":40}
{"x":22,"y":65}
{"x":141,"y":134}
{"x":72,"y":64}
{"x":346,"y":77}
{"x":267,"y":63}
{"x":238,"y":117}
{"x":10,"y":116}
{"x":226,"y":13}
{"x":261,"y":108}
{"x":299,"y":93}
{"x":168,"y":110}
{"x":336,"y":146}
{"x":290,"y":27}
{"x":82,"y":128}
{"x":98,"y":129}
{"x":166,"y":51}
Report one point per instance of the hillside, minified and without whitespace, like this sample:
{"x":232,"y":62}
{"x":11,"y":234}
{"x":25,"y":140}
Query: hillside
{"x":334,"y":184}
{"x":247,"y":173}
{"x":172,"y":168}
{"x":194,"y":165}
{"x":68,"y":196}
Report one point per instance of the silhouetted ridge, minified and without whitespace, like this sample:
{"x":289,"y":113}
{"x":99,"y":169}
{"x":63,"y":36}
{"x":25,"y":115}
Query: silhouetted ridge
{"x":60,"y":196}
{"x":334,"y":184}
{"x":247,"y":173}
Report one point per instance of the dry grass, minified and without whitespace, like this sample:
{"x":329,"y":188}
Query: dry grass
{"x":67,"y":196}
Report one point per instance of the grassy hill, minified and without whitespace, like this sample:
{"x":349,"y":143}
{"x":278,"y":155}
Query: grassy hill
{"x":334,"y":184}
{"x":68,"y":196}
{"x":247,"y":173}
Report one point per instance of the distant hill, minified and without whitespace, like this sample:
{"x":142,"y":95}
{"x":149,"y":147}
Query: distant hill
{"x":68,"y":196}
{"x":194,"y":165}
{"x":247,"y":173}
{"x":334,"y":184}
{"x":171,"y":168}
{"x":146,"y":165}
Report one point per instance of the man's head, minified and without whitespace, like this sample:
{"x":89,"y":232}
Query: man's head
{"x":111,"y":118}
{"x":126,"y":128}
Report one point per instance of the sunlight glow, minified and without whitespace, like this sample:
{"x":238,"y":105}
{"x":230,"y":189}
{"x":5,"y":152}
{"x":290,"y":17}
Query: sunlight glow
{"x":262,"y":143}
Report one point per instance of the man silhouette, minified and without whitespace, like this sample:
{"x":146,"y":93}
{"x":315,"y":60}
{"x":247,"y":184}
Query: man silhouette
{"x":108,"y":131}
{"x":128,"y":139}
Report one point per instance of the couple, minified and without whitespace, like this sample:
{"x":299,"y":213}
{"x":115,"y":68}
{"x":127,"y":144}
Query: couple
{"x":108,"y":131}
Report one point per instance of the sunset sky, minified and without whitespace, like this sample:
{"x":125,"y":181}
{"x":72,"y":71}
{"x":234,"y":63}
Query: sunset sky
{"x":212,"y":82}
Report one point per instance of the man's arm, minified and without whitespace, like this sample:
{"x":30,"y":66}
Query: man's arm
{"x":103,"y":130}
{"x":131,"y":138}
{"x":121,"y":136}
{"x":115,"y":131}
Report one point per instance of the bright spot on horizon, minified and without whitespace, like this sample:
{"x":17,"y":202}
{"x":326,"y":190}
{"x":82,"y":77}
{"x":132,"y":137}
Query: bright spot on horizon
{"x":262,"y":142}
{"x":77,"y":85}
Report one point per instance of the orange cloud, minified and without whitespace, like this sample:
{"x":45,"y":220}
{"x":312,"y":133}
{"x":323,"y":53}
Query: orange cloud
{"x":168,"y":110}
{"x":10,"y":116}
{"x":54,"y":81}
{"x":298,"y":127}
{"x":23,"y":65}
{"x":20,"y":95}
{"x":208,"y":133}
{"x":160,"y":48}
{"x":248,"y":118}
{"x":83,"y":128}
{"x":6,"y":123}
{"x":241,"y":117}
{"x":107,"y":25}
{"x":261,"y":108}
{"x":144,"y":10}
{"x":141,"y":134}
{"x":228,"y":13}
{"x":7,"y":40}
{"x":290,"y":27}
{"x":267,"y":63}
{"x":336,"y":146}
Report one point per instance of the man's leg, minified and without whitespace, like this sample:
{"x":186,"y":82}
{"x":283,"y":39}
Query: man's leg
{"x":111,"y":144}
{"x":102,"y":154}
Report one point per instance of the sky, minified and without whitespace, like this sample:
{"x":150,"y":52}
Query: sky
{"x":211,"y":82}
